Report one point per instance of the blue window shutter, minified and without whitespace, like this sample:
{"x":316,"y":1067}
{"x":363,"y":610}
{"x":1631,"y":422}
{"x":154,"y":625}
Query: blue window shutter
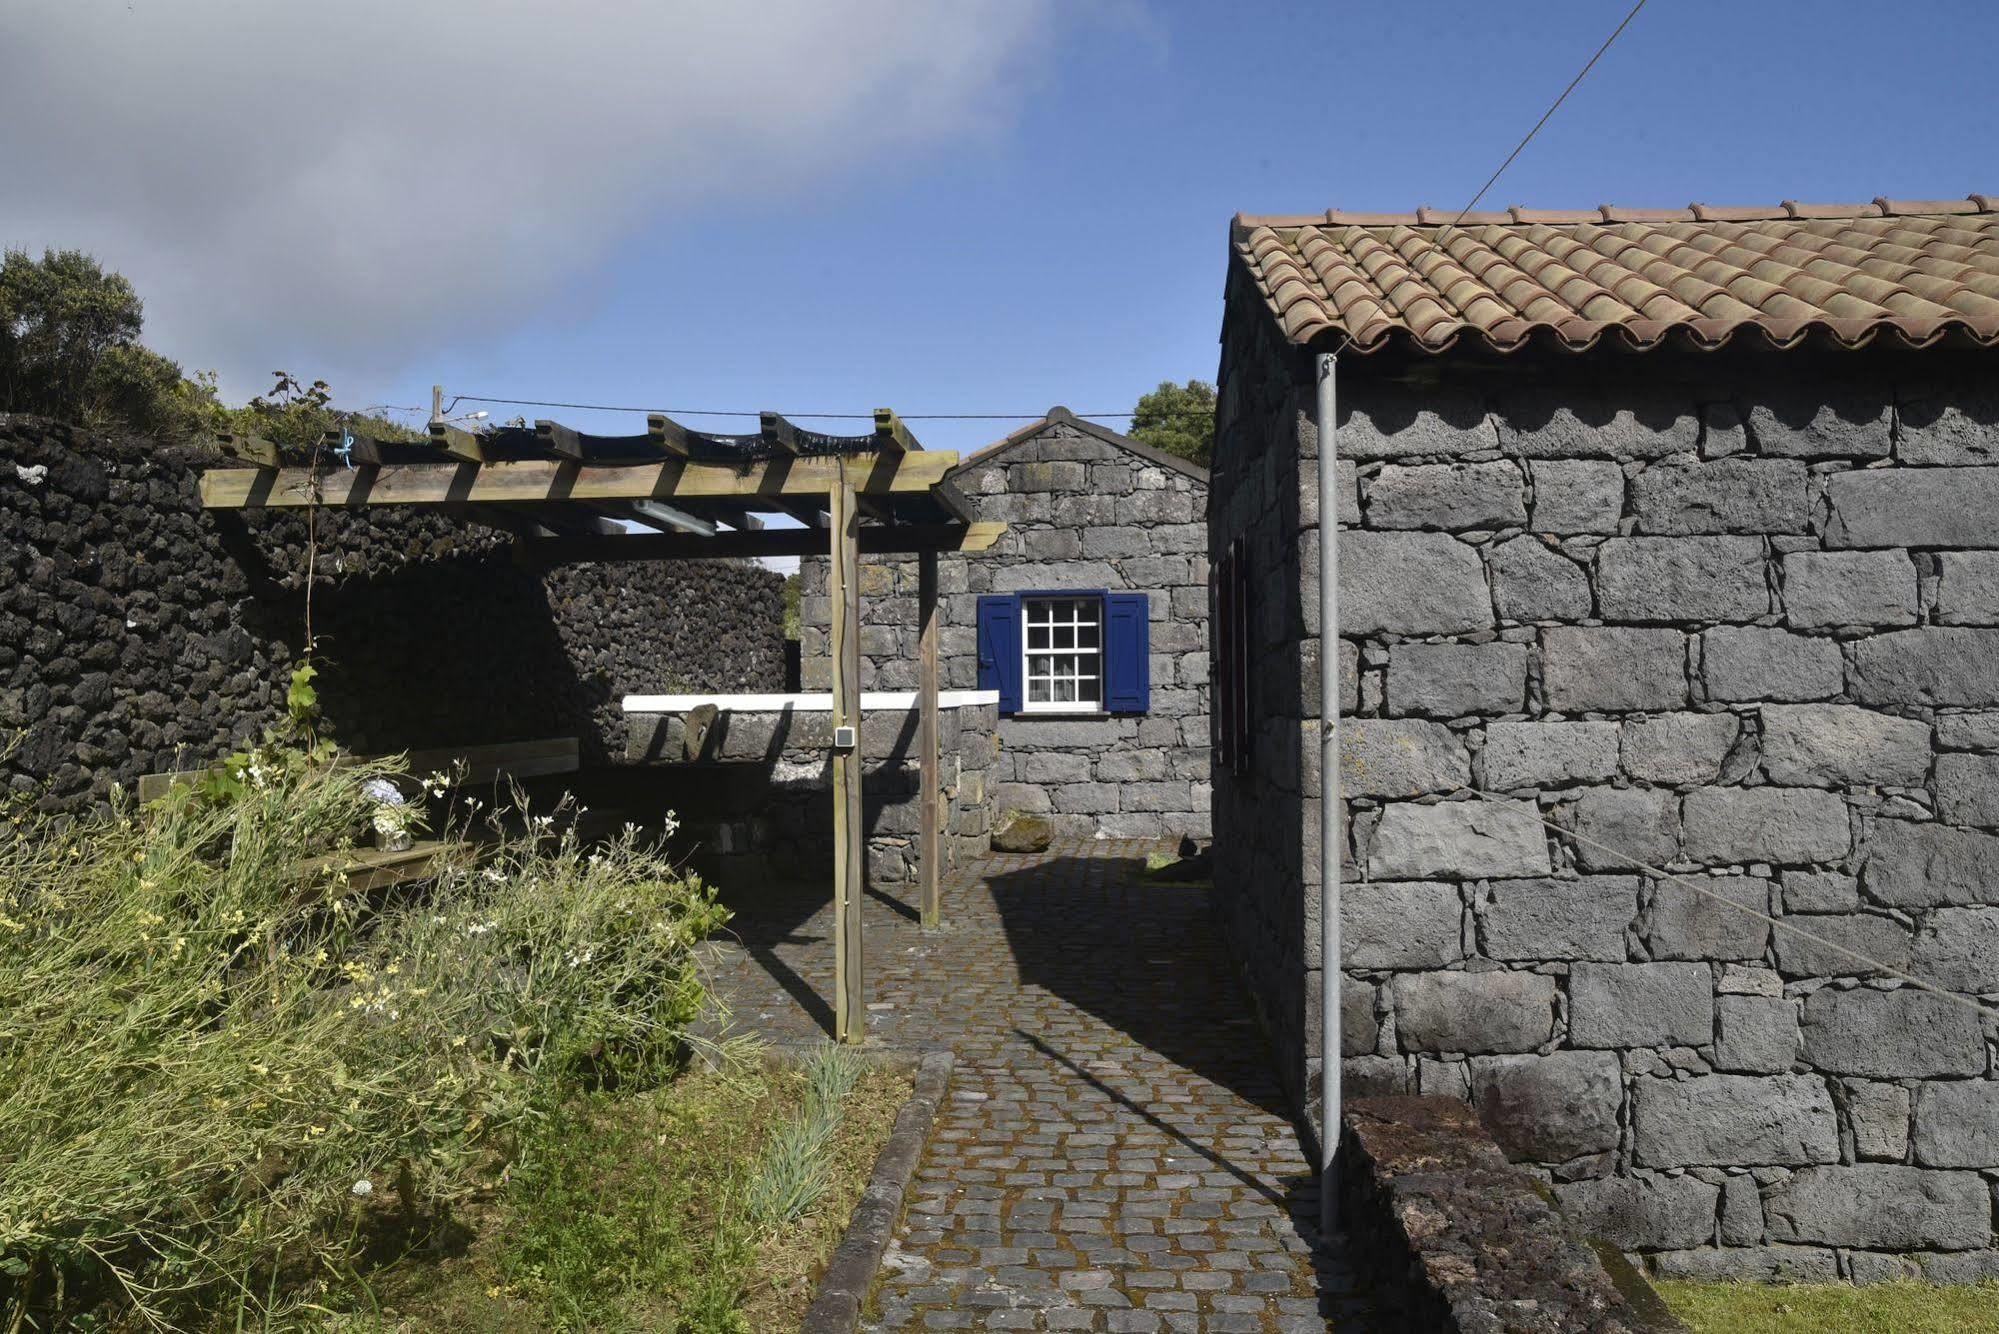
{"x":999,"y":648}
{"x":1128,"y":671}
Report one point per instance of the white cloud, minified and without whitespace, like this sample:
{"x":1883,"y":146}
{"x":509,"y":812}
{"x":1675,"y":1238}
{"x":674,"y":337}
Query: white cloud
{"x":338,"y":186}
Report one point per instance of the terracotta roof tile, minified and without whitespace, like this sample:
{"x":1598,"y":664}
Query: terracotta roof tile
{"x":1916,"y":270}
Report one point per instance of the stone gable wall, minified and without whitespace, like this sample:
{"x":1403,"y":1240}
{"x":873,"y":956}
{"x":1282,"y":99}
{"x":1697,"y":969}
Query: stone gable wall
{"x":1734,"y":616}
{"x":138,"y":635}
{"x":1082,"y":513}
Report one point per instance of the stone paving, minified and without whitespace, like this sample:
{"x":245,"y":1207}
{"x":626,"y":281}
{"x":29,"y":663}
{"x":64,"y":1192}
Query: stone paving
{"x":1114,"y":1153}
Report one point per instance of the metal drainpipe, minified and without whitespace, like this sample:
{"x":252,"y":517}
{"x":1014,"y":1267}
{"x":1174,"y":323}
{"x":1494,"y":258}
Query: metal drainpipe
{"x":1329,"y":797}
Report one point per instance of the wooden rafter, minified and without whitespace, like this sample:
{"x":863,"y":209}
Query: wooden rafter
{"x":777,"y":432}
{"x":778,"y":483}
{"x":667,"y":433}
{"x":891,"y":436}
{"x":462,"y":445}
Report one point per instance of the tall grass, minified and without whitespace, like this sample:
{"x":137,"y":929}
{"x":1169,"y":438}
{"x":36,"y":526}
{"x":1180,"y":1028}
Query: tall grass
{"x":222,"y":1069}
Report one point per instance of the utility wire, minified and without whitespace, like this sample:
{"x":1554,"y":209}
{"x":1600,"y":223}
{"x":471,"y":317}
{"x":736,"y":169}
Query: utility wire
{"x":1517,"y":148}
{"x":1779,"y":923}
{"x":818,"y":416}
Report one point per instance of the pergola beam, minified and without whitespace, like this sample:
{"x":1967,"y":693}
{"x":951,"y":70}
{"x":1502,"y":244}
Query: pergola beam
{"x":891,"y":436}
{"x":461,"y":445}
{"x":779,"y":482}
{"x":897,"y":539}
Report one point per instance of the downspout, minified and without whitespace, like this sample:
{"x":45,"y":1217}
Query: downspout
{"x":1330,"y":844}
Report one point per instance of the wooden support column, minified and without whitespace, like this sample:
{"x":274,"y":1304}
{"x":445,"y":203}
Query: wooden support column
{"x":926,"y":738}
{"x":849,"y":833}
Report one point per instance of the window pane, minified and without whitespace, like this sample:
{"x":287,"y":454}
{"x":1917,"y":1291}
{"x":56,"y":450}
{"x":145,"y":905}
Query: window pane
{"x":1037,"y":692}
{"x":1065,"y":692}
{"x":1037,"y":636}
{"x":1087,"y":636}
{"x":1088,"y":689}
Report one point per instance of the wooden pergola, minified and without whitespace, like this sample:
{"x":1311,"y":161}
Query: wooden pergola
{"x":675,"y":493}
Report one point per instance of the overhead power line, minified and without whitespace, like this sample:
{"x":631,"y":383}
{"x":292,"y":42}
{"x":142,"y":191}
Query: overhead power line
{"x":739,"y":412}
{"x":1547,"y":114}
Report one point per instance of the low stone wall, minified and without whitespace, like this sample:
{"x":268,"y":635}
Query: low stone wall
{"x":1451,"y":1238}
{"x":755,"y":800}
{"x":140,"y":633}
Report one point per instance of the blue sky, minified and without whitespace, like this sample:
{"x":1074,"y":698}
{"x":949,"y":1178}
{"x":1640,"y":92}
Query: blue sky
{"x":1074,"y":251}
{"x":1045,"y":221}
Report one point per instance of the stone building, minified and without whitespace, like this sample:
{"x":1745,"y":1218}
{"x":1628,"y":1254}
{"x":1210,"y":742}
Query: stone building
{"x":1088,"y":618}
{"x":1669,"y":582}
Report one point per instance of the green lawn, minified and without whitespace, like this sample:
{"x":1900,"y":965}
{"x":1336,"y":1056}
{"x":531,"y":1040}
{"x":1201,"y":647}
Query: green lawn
{"x":1834,"y":1308}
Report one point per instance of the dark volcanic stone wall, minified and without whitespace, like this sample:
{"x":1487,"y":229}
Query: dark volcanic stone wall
{"x":1734,"y":615}
{"x":139,"y":633}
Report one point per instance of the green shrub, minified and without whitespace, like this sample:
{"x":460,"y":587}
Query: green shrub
{"x":223,"y":1071}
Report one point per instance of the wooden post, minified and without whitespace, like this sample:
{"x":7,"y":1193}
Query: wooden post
{"x":849,"y":835}
{"x":436,"y":403}
{"x":926,"y":735}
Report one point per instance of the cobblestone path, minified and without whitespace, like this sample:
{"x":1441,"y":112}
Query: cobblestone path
{"x":1114,"y":1153}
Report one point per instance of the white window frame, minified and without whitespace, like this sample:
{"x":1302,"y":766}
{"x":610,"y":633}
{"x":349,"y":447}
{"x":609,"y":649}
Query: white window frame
{"x":1078,"y":612}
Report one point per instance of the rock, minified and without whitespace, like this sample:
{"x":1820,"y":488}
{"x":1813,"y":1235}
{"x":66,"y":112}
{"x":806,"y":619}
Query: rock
{"x":1684,"y":924}
{"x":1968,"y":588}
{"x":1912,"y":507}
{"x":1750,"y":1264}
{"x":1541,"y":422}
{"x":1741,"y":1212}
{"x":1453,"y":680}
{"x":1871,"y":936}
{"x":1359,"y":1029}
{"x":1958,"y":948}
{"x":1755,"y":1034}
{"x":1469,"y":840}
{"x":1883,"y":1206}
{"x":1386,"y":422}
{"x":1678,"y":747}
{"x":1673,"y":579}
{"x":1743,"y":663}
{"x":1878,"y":1115}
{"x":1538,"y":754}
{"x":1613,"y":669}
{"x":1838,"y":745}
{"x":1023,"y":833}
{"x":1643,"y":1213}
{"x":1829,"y":589}
{"x":1733,"y":1121}
{"x":1967,"y":788}
{"x":1411,"y":583}
{"x":1575,"y":496}
{"x":1620,"y":829}
{"x":1820,"y":892}
{"x":1904,"y":1034}
{"x":1913,"y":865}
{"x":1549,"y":1108}
{"x":1729,"y":496}
{"x":1496,"y":1011}
{"x":1448,"y":496}
{"x":1957,"y":1124}
{"x":1532,"y":581}
{"x":1947,"y":423}
{"x":1400,"y":924}
{"x":1559,"y":919}
{"x":1641,"y":1005}
{"x":1968,"y":731}
{"x":1728,"y":826}
{"x":1815,"y":424}
{"x":1945,"y":665}
{"x":1397,"y":757}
